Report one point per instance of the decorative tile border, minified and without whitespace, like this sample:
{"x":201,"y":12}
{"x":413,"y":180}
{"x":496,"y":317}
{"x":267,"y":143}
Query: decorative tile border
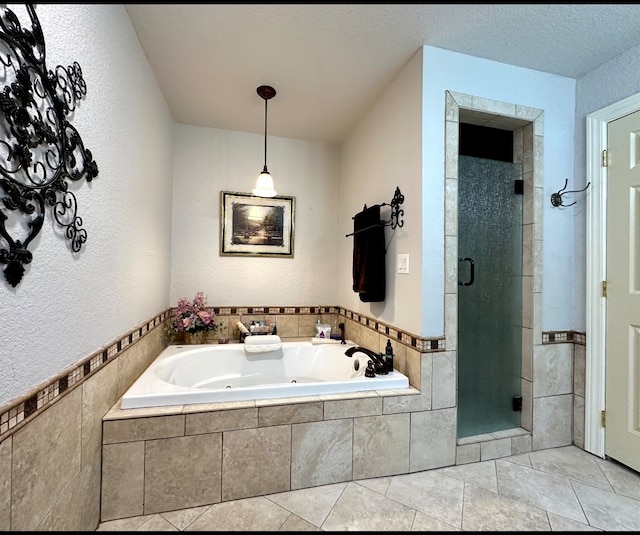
{"x":562,"y":337}
{"x":19,"y":412}
{"x":424,"y":345}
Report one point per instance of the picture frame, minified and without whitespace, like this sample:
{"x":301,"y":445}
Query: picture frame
{"x":256,"y":226}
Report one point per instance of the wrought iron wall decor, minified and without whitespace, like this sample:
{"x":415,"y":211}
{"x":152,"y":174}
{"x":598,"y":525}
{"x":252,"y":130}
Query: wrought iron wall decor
{"x":40,"y":151}
{"x":556,"y":198}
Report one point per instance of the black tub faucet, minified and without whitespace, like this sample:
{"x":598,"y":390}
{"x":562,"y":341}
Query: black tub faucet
{"x":379,"y":364}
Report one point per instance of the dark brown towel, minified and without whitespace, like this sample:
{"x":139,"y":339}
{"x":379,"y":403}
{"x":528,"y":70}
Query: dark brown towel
{"x":369,"y":272}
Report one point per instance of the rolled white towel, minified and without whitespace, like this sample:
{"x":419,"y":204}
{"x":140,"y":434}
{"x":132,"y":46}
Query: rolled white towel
{"x":262,"y":343}
{"x":262,"y":339}
{"x":242,"y":328}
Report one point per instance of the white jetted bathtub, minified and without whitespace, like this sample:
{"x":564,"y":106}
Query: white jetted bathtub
{"x":257,"y":369}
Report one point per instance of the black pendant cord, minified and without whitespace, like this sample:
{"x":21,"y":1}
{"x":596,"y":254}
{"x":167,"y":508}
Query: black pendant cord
{"x":265,"y":136}
{"x":266,"y":92}
{"x":40,"y":151}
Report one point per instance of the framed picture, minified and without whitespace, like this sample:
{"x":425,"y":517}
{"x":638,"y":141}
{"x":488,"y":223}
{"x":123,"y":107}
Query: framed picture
{"x":256,"y":226}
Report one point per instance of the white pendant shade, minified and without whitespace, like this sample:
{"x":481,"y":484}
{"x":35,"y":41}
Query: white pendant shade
{"x":264,"y":186}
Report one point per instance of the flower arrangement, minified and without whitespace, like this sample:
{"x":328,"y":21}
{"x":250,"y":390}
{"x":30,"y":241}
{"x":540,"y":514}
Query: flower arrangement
{"x":194,"y":316}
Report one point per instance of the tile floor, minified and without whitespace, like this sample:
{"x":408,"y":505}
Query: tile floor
{"x":559,"y":489}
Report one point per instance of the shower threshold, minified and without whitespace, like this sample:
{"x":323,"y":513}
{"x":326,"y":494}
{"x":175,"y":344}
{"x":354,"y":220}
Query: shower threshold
{"x":493,"y":445}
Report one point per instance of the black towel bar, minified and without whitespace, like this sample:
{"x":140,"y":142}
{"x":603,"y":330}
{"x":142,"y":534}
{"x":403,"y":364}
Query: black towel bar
{"x":385,"y":224}
{"x":396,"y":214}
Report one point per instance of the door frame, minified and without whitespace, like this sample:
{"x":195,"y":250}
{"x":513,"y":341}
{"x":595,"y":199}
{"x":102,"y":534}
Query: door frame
{"x":596,"y":269}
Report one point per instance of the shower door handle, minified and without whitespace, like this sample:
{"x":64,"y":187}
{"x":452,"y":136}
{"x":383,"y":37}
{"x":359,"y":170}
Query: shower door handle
{"x":472,"y":267}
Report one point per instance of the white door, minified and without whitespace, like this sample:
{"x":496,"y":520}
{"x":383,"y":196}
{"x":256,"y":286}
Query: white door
{"x":622,"y":359}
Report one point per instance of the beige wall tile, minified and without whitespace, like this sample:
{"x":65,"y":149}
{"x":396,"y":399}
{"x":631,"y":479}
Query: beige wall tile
{"x":433,"y":439}
{"x":306,"y":325}
{"x":99,"y":393}
{"x":122,"y":480}
{"x":321,"y":453}
{"x":133,"y":361}
{"x":521,"y":444}
{"x":399,"y":356}
{"x":445,"y":380}
{"x":526,"y":416}
{"x":408,"y":403}
{"x":578,"y":421}
{"x":494,"y":449}
{"x":552,"y":421}
{"x":182,"y":472}
{"x":494,"y":106}
{"x":5,"y":484}
{"x":414,"y":369}
{"x":290,"y":414}
{"x":468,"y":453}
{"x":46,"y":458}
{"x":451,"y":320}
{"x":579,"y":369}
{"x":350,"y":408}
{"x":78,"y":509}
{"x":451,"y":157}
{"x":380,"y":445}
{"x":552,"y":369}
{"x":211,"y":422}
{"x":426,"y":375}
{"x":370,"y":339}
{"x":256,"y":462}
{"x":527,"y":354}
{"x":451,"y":263}
{"x":287,"y":325}
{"x":114,"y":431}
{"x":353,"y":331}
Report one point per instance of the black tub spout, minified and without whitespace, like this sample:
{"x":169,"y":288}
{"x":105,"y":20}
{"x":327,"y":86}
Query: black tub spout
{"x":379,"y":363}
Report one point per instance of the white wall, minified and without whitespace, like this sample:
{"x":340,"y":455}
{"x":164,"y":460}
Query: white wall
{"x":555,"y":95}
{"x":609,"y":83}
{"x":382,"y":153}
{"x":208,"y":161}
{"x":69,"y":305}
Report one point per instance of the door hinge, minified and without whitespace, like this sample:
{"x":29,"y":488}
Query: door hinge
{"x":604,"y":288}
{"x":605,"y":159}
{"x":602,"y":419}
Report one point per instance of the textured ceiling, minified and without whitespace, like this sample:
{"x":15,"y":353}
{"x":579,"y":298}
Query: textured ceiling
{"x":329,"y":63}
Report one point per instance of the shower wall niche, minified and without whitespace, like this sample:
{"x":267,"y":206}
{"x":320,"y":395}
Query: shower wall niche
{"x":493,"y":206}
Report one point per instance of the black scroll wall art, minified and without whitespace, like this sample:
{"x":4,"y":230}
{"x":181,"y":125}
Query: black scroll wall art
{"x":40,"y":152}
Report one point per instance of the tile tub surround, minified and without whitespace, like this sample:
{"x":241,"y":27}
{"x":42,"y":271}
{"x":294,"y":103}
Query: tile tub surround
{"x":50,"y":460}
{"x":169,"y":458}
{"x":75,"y":505}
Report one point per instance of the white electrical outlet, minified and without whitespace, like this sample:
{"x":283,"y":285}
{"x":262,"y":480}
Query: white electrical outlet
{"x":403,"y":263}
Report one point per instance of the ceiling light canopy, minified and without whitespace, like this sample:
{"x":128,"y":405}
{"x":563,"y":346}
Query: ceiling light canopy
{"x":264,"y":184}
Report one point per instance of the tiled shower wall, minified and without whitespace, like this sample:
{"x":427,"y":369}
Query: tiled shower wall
{"x":50,"y":459}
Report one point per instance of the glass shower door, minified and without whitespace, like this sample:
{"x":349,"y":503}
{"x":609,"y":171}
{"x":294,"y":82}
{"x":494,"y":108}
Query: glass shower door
{"x":489,"y":295}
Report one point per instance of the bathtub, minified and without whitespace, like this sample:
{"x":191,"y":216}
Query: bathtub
{"x":209,"y":373}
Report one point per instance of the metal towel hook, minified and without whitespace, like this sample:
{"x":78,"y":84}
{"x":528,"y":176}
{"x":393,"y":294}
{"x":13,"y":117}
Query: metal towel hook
{"x":556,"y":198}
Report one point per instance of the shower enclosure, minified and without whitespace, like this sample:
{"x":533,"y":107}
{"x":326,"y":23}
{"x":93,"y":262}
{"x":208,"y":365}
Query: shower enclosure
{"x":489,"y":295}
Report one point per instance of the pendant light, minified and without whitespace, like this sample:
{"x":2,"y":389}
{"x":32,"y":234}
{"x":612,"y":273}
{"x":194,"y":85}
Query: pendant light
{"x":264,"y":184}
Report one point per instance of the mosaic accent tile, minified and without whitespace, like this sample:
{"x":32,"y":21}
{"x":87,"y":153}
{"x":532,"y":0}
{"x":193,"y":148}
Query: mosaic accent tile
{"x":34,"y":403}
{"x":561,"y":337}
{"x":13,"y":416}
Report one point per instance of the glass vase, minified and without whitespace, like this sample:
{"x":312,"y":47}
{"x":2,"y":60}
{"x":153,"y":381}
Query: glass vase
{"x":194,"y":337}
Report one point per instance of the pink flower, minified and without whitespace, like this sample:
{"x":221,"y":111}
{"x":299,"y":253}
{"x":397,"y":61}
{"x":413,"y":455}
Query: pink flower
{"x":193,"y":316}
{"x":205,"y":316}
